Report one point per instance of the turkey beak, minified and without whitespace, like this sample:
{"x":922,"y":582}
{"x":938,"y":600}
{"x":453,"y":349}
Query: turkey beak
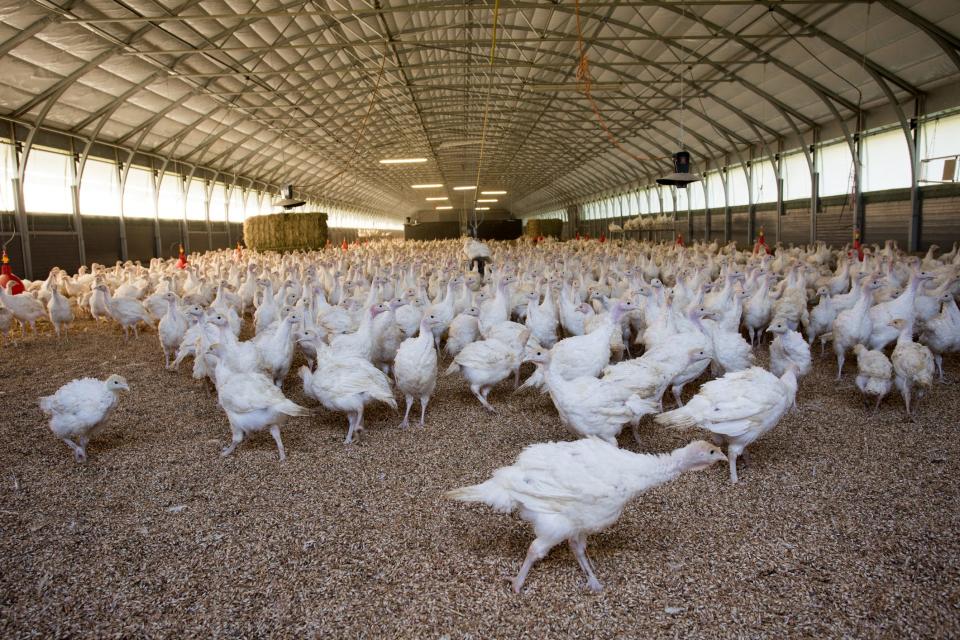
{"x":125,"y":387}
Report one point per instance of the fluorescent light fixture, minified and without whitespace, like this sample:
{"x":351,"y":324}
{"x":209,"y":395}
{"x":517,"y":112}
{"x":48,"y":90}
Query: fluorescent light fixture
{"x":487,"y":200}
{"x":437,"y":199}
{"x":573,"y":86}
{"x":426,"y":186}
{"x":493,"y":193}
{"x":467,"y":188}
{"x":482,"y":209}
{"x":452,"y":144}
{"x":403,"y":160}
{"x":443,"y":208}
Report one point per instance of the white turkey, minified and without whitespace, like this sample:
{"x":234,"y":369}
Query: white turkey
{"x":737,"y":408}
{"x":913,"y":366}
{"x":252,"y":403}
{"x":569,"y":490}
{"x":874,"y":374}
{"x":346,"y":383}
{"x":79,"y":410}
{"x":592,"y":407}
{"x":788,"y":347}
{"x":415,"y":368}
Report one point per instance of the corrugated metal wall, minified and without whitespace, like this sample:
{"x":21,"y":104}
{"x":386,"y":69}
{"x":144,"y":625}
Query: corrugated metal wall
{"x":886,"y":213}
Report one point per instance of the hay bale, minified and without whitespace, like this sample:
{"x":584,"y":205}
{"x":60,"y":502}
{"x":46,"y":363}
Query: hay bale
{"x":286,"y":231}
{"x":549,"y":227}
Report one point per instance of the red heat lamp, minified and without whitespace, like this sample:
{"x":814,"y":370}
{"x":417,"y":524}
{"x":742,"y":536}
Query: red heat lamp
{"x":7,"y":276}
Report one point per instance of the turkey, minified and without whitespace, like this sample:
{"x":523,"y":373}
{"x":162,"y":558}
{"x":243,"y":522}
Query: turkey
{"x":346,"y":383}
{"x":172,"y":327}
{"x":464,"y":329}
{"x":128,"y":312}
{"x":79,"y":410}
{"x":488,"y":362}
{"x":854,"y":326}
{"x":25,"y":309}
{"x":592,"y":407}
{"x":737,"y":408}
{"x":59,"y":311}
{"x":415,"y":368}
{"x":913,"y":366}
{"x":569,"y":490}
{"x":588,"y":354}
{"x":941,"y":333}
{"x":874,"y":373}
{"x":252,"y":403}
{"x":821,"y":317}
{"x":788,"y":347}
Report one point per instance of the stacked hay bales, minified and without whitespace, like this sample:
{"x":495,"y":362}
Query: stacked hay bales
{"x":286,"y":231}
{"x":552,"y":227}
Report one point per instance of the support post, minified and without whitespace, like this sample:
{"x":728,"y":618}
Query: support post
{"x":121,"y":176}
{"x":75,"y":204}
{"x":916,"y":204}
{"x":19,"y":208}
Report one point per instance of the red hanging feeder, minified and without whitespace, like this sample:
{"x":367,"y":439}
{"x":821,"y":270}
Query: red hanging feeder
{"x":182,"y":259}
{"x":761,"y":244}
{"x":679,"y":240}
{"x":343,"y":245}
{"x":7,"y":276}
{"x":856,"y":244}
{"x":239,"y":252}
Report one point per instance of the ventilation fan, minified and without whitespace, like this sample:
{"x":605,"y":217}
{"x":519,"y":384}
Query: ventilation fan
{"x":288,"y":201}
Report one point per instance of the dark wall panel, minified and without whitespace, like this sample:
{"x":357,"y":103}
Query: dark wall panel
{"x":941,"y":222}
{"x":169,"y":238}
{"x":199,"y":242}
{"x":431,"y":230}
{"x":141,"y":244}
{"x":501,"y":229}
{"x":101,"y":239}
{"x":794,"y":227}
{"x":220,"y":240}
{"x":49,"y":251}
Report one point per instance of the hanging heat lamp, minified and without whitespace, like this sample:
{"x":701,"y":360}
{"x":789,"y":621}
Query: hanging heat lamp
{"x":681,"y":175}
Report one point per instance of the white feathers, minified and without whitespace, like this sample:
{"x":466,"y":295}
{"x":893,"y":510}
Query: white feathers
{"x":79,"y":409}
{"x":568,"y":490}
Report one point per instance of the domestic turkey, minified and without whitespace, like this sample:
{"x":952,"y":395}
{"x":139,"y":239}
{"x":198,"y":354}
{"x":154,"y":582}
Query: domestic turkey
{"x":25,"y":309}
{"x":592,"y":407}
{"x":874,"y":374}
{"x":252,"y":403}
{"x":347,"y":384}
{"x":79,"y":410}
{"x":59,"y":311}
{"x":464,"y":329}
{"x":486,"y":363}
{"x":737,"y":408}
{"x":788,"y":347}
{"x":569,"y":490}
{"x":913,"y":366}
{"x":941,"y":333}
{"x":172,"y":327}
{"x":128,"y":312}
{"x":415,"y":368}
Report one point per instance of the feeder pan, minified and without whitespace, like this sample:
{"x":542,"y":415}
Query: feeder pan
{"x":7,"y":276}
{"x":681,"y":175}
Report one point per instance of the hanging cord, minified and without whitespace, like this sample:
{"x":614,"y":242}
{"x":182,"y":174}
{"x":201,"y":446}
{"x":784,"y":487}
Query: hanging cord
{"x":486,"y":114}
{"x":371,"y":101}
{"x":584,"y":83}
{"x":863,"y":61}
